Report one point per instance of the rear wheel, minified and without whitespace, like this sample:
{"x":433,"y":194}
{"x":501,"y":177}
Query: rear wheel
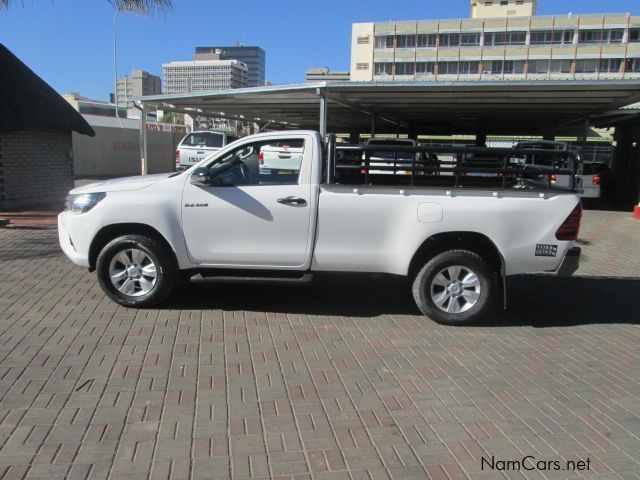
{"x":455,"y":287}
{"x":136,"y":271}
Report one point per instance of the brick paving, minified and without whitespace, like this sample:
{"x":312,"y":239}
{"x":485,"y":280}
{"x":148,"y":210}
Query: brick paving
{"x":342,"y":380}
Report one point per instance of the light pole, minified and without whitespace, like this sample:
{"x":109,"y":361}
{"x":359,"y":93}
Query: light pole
{"x":115,"y":64}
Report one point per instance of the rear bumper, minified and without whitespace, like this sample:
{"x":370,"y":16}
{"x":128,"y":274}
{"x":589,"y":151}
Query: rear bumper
{"x":570,"y":262}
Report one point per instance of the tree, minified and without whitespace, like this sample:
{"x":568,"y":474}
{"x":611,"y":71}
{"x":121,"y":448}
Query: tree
{"x":140,"y":6}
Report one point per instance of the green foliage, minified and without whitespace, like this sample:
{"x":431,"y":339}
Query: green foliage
{"x":145,"y":7}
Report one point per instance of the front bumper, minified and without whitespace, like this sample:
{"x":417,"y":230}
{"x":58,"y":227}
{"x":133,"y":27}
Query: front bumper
{"x":570,"y":262}
{"x":72,"y":248}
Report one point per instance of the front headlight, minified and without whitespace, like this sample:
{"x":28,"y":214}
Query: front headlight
{"x":83,"y":202}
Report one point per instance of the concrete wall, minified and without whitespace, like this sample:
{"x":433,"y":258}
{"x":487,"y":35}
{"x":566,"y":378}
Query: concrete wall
{"x":115,"y":152}
{"x":35,"y":168}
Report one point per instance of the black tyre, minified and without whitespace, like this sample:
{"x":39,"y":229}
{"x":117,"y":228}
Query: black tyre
{"x":455,"y":287}
{"x":136,"y":271}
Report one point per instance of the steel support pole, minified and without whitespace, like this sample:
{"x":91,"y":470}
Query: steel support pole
{"x":323,"y":115}
{"x":143,"y":142}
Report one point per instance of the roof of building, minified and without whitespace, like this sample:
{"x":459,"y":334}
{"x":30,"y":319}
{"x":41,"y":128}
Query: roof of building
{"x":27,"y":101}
{"x":494,"y":107}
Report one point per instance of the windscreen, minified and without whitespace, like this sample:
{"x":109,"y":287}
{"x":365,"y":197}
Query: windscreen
{"x":203,"y":139}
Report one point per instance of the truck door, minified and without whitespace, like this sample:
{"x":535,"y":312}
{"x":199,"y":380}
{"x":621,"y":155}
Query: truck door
{"x":245,"y":216}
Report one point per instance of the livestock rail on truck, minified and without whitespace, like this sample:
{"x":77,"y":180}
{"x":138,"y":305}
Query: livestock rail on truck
{"x":451,"y":167}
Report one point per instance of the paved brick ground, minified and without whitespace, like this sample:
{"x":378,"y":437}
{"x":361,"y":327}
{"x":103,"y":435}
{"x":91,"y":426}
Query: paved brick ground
{"x":340,"y":381}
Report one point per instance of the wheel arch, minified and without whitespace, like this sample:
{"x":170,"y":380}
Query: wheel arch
{"x":110,"y":232}
{"x":462,"y":240}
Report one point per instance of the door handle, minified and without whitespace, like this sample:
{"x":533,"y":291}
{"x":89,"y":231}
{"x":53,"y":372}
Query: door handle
{"x":292,"y":201}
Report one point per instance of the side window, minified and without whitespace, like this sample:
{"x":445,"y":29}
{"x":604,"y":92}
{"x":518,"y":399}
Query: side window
{"x":274,"y":162}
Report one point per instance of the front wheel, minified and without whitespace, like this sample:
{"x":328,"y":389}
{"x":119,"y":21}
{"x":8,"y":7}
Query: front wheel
{"x":136,"y":271}
{"x":455,"y":287}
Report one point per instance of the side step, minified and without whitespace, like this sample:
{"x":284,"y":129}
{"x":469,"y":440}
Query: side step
{"x":304,"y":279}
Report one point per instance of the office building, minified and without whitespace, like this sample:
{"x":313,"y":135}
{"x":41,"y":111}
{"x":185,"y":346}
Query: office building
{"x":89,"y":106}
{"x":324,"y":74}
{"x":512,"y":44}
{"x":138,"y":84}
{"x":253,"y":57}
{"x":203,"y":75}
{"x":503,"y":8}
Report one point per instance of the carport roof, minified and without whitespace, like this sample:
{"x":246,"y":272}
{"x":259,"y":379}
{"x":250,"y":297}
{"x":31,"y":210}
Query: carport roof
{"x":495,"y":107}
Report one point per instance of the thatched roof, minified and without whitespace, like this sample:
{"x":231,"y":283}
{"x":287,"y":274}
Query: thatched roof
{"x":26,"y":101}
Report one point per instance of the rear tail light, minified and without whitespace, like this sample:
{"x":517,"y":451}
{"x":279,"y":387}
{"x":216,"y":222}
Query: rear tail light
{"x":177,"y":157}
{"x":570,"y":228}
{"x":596,"y":180}
{"x":553,"y":178}
{"x":261,"y":158}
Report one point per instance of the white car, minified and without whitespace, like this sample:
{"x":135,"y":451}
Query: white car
{"x":281,"y":157}
{"x":591,"y":180}
{"x":393,"y":162}
{"x":198,"y":145}
{"x":226,"y":218}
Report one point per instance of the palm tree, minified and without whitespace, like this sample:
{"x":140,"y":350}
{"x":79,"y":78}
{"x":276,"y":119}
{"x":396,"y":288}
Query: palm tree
{"x":140,"y":6}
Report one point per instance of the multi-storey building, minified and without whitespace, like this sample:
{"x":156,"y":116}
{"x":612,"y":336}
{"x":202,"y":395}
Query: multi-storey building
{"x":139,"y":83}
{"x":324,"y":74}
{"x":203,"y":75}
{"x":253,"y":57}
{"x":514,"y":46}
{"x":89,"y":106}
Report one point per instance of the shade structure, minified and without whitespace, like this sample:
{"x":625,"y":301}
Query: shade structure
{"x":462,"y":107}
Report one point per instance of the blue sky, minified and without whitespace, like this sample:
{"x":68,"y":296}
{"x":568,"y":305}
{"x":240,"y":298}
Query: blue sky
{"x":69,"y":42}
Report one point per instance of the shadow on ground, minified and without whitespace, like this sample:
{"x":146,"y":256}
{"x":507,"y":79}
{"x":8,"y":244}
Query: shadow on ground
{"x":535,"y":300}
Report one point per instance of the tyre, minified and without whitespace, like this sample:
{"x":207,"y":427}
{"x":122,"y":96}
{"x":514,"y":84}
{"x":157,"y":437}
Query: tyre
{"x":455,"y":287}
{"x":136,"y":271}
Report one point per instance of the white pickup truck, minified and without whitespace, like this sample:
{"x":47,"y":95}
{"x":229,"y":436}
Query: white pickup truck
{"x":455,"y":237}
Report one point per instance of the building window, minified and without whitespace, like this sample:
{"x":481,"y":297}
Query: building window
{"x":469,"y":67}
{"x":513,"y":66}
{"x":538,"y":67}
{"x":448,"y":68}
{"x":505,"y":38}
{"x":507,"y":67}
{"x":587,"y":66}
{"x":560,"y":66}
{"x":610,"y":65}
{"x":550,"y":37}
{"x":382,"y":68}
{"x":504,"y":2}
{"x":363,"y":40}
{"x":405,"y":68}
{"x":427,"y":40}
{"x":633,"y":65}
{"x":425,"y":68}
{"x":362,"y":66}
{"x":405,"y":41}
{"x":449,"y":39}
{"x":385,"y":41}
{"x":519,"y":2}
{"x":634,"y":35}
{"x":470,"y":39}
{"x":601,"y":36}
{"x":615,"y":36}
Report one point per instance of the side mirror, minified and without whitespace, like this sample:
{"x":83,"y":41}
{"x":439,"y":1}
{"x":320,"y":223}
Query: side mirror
{"x":201,"y":177}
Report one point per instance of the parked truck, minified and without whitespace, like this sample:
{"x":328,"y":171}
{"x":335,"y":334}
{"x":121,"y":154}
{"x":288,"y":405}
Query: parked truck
{"x":454,"y":236}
